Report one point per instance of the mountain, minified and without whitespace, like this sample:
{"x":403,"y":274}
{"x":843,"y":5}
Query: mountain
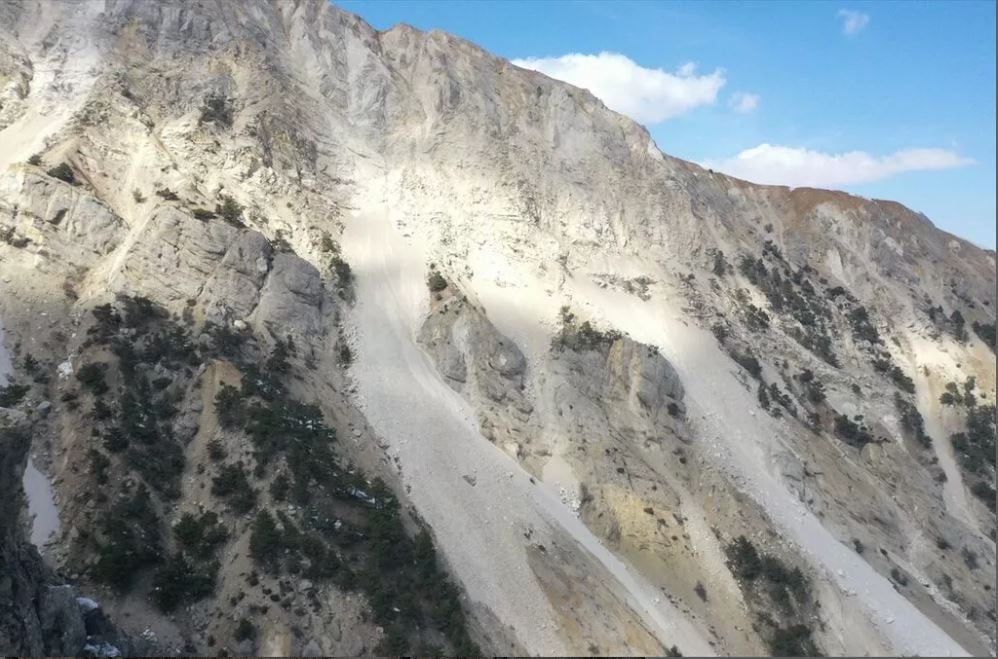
{"x":336,"y":341}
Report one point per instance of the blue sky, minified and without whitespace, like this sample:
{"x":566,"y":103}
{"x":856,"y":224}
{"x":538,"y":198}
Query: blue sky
{"x":892,"y":100}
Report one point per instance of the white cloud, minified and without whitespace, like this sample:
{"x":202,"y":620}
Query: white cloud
{"x":646,"y":95}
{"x":799,"y":167}
{"x":853,"y":21}
{"x":743,"y":102}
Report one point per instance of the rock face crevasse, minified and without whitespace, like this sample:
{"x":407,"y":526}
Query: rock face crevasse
{"x":610,"y":383}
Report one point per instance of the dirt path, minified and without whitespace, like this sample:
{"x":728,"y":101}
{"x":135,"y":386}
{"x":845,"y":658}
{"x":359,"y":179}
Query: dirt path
{"x":434,"y":439}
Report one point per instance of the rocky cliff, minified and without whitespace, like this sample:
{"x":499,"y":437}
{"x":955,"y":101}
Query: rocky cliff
{"x":276,"y":283}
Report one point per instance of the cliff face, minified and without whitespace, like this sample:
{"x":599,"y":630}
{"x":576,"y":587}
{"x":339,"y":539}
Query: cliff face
{"x":737,"y":418}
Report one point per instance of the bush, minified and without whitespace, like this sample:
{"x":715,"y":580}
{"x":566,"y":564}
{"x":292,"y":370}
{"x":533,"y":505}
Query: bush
{"x":793,"y":641}
{"x":227,"y":341}
{"x":851,"y":432}
{"x":985,"y":493}
{"x":167,"y":194}
{"x":13,"y":394}
{"x":720,"y":264}
{"x":743,"y":559}
{"x":232,"y":485}
{"x":901,"y":379}
{"x":200,"y":535}
{"x":763,"y":396}
{"x":862,"y":328}
{"x":976,"y":446}
{"x":911,"y":420}
{"x":279,"y":488}
{"x":216,"y":110}
{"x":91,"y":376}
{"x":216,"y":451}
{"x":951,"y":397}
{"x":99,"y":464}
{"x":203,"y":214}
{"x":180,"y":581}
{"x":63,"y":172}
{"x":265,"y":540}
{"x":756,"y":319}
{"x":436,"y":282}
{"x":813,"y":387}
{"x":231,"y":211}
{"x":344,"y":275}
{"x":986,"y":332}
{"x":131,"y":541}
{"x":35,"y":160}
{"x":245,"y":630}
{"x":749,"y":362}
{"x":344,"y":355}
{"x":229,"y":406}
{"x":958,"y":326}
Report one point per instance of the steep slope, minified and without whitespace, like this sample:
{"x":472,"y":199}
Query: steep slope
{"x":639,"y":404}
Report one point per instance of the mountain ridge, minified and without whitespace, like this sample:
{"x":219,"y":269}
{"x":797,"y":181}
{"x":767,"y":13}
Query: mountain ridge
{"x":489,"y":284}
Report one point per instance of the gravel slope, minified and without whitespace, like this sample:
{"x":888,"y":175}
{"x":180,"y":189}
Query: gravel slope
{"x":434,"y":440}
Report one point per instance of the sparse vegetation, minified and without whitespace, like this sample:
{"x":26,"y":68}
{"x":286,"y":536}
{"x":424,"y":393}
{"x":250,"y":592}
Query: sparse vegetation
{"x":582,"y":337}
{"x":791,"y":294}
{"x":768,"y":579}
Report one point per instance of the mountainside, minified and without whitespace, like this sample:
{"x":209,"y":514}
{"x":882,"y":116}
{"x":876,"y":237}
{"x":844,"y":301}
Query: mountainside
{"x":334,"y":341}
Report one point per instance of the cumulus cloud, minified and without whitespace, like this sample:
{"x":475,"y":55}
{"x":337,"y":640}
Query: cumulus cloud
{"x":853,"y":21}
{"x":743,"y":102}
{"x":649,"y":96}
{"x":799,"y":167}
